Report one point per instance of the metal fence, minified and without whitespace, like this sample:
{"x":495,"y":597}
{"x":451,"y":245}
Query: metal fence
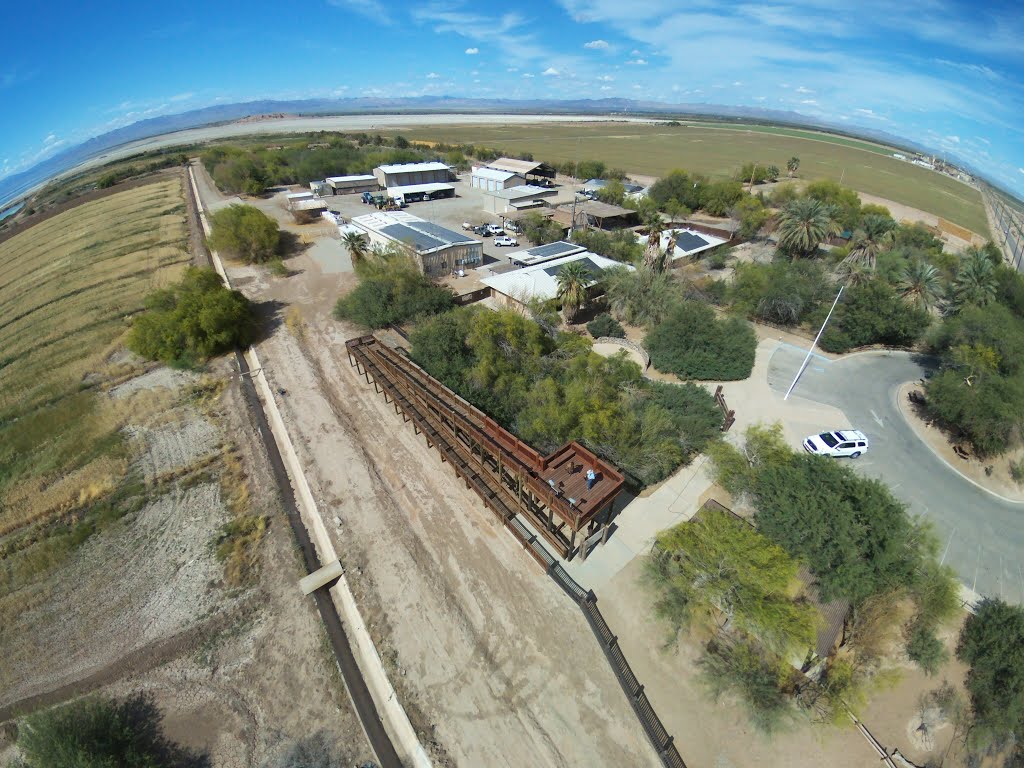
{"x":663,"y":743}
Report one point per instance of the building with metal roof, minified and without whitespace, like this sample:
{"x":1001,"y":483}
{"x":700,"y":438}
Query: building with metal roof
{"x":414,"y":193}
{"x":348,"y":185}
{"x":438,"y":251}
{"x":525,"y":168}
{"x":306,"y":207}
{"x":493,"y":179}
{"x":594,"y":213}
{"x":538,"y":254}
{"x":405,"y":174}
{"x":504,"y":201}
{"x":686,"y":242}
{"x":517,"y":288}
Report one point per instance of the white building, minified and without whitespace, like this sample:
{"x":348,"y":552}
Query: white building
{"x":515,"y":289}
{"x":406,"y":174}
{"x":689,"y":242}
{"x":505,"y":201}
{"x":493,"y":179}
{"x":438,"y":251}
{"x":414,"y":193}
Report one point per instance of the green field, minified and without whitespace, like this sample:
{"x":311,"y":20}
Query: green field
{"x":720,"y":150}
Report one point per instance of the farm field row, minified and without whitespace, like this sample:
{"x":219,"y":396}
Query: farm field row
{"x":717,"y":151}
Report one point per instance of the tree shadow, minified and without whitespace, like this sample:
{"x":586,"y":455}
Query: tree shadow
{"x":269,"y":317}
{"x":290,"y":245}
{"x":143,"y":718}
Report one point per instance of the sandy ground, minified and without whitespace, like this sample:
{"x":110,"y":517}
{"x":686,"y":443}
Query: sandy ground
{"x":238,"y":673}
{"x":902,"y":212}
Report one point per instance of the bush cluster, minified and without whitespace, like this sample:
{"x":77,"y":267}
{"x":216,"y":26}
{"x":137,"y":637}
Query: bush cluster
{"x":246,"y":233}
{"x":693,"y":344}
{"x":606,"y":325}
{"x":194,"y":320}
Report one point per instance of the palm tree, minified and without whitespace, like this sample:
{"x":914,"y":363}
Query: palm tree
{"x":874,"y":235}
{"x":854,"y":273}
{"x":653,"y":256}
{"x":574,"y":279}
{"x":773,"y":173}
{"x":357,"y":245}
{"x":920,"y":284}
{"x":792,"y":165}
{"x":976,"y":279}
{"x":803,"y":224}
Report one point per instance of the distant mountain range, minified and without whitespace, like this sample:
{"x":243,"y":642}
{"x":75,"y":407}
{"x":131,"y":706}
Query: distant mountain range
{"x":16,"y":185}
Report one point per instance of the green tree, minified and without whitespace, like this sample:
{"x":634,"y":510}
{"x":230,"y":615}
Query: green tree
{"x":357,"y":245}
{"x":717,"y":197}
{"x":639,"y":297}
{"x":574,"y":280}
{"x":846,"y":201}
{"x":679,"y":186}
{"x":992,"y":643}
{"x":391,"y":290}
{"x":802,"y":225}
{"x":193,"y":320}
{"x":920,"y":284}
{"x":614,"y":192}
{"x":693,"y":344}
{"x":244,"y":232}
{"x":976,"y":280}
{"x":102,"y":733}
{"x":873,"y":313}
{"x":739,"y":667}
{"x":751,"y":214}
{"x":783,"y":292}
{"x":773,"y":173}
{"x":873,"y":236}
{"x":721,"y":566}
{"x":540,"y":230}
{"x":792,"y":165}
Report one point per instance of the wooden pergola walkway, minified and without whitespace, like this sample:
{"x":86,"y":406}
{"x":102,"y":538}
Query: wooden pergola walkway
{"x":512,"y":479}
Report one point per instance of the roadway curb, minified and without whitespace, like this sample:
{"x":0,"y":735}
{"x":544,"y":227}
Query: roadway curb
{"x":940,"y":457}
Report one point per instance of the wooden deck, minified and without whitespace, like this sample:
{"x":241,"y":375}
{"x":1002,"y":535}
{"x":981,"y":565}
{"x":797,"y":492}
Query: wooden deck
{"x":567,"y":468}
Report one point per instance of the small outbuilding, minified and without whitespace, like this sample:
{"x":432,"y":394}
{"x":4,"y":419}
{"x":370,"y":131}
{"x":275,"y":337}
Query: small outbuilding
{"x":539,"y":254}
{"x":407,"y":174}
{"x":506,"y":201}
{"x":307,"y":209}
{"x":352,"y":185}
{"x":594,"y":213}
{"x":438,"y":251}
{"x":531,"y":171}
{"x":493,"y":179}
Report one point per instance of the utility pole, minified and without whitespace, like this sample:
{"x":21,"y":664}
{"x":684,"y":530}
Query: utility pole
{"x":814,"y":343}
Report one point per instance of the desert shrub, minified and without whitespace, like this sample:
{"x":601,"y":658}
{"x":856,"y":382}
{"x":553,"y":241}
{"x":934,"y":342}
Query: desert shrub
{"x":783,"y":292}
{"x":244,"y":232}
{"x":694,"y":410}
{"x":101,"y":733}
{"x":742,"y":669}
{"x":1017,"y":472}
{"x":925,"y":649}
{"x":540,"y":230}
{"x":992,"y":643}
{"x":278,"y":268}
{"x":640,"y":297}
{"x":606,"y":325}
{"x":196,"y":319}
{"x":873,"y":313}
{"x":391,"y":290}
{"x":621,"y":245}
{"x":692,"y":343}
{"x":236,"y":547}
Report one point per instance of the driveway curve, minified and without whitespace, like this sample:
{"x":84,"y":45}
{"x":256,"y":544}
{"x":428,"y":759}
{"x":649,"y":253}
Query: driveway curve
{"x":980,"y":535}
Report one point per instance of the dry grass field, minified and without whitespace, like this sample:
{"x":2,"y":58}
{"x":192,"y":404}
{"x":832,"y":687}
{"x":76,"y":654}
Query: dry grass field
{"x":67,"y":289}
{"x":720,"y":150}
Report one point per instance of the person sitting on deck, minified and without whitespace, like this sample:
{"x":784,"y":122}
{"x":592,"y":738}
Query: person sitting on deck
{"x":591,"y":478}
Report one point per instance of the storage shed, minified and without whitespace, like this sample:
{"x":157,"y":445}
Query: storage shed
{"x":406,"y":174}
{"x":505,"y":201}
{"x":492,"y":179}
{"x":437,"y":250}
{"x":351,"y":185}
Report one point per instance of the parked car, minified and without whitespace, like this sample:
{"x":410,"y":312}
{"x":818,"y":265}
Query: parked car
{"x":505,"y":240}
{"x":841,"y":442}
{"x":495,"y":229}
{"x":482,"y":230}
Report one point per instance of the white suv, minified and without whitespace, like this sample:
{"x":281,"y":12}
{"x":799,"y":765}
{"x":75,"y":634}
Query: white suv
{"x":842,"y":442}
{"x":495,"y":229}
{"x":506,"y":240}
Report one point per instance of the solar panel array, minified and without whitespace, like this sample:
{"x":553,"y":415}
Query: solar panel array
{"x":441,"y":233}
{"x":687,"y":241}
{"x":553,"y":249}
{"x":423,"y":235}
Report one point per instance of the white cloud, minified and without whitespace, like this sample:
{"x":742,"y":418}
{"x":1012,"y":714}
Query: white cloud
{"x":811,"y":102}
{"x":527,"y":74}
{"x":634,"y":52}
{"x":760,"y":98}
{"x":801,"y":89}
{"x":737,"y":84}
{"x":608,"y":88}
{"x":597,"y":45}
{"x":606,"y":78}
{"x":50,"y":139}
{"x":953,"y":139}
{"x":637,"y":62}
{"x":550,"y":72}
{"x":1021,"y":170}
{"x":512,"y":69}
{"x":472,"y":51}
{"x":182,"y":96}
{"x":432,"y":76}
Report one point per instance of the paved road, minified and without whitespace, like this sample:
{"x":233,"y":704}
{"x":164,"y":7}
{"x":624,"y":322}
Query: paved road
{"x":981,"y":536}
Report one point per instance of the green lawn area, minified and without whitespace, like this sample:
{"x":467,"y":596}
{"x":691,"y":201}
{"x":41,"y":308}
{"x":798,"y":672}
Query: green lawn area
{"x":718,"y":150}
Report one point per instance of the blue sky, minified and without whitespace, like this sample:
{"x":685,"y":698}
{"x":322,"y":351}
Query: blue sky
{"x":943,"y":73}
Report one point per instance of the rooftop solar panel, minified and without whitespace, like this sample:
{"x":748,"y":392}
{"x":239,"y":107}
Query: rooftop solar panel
{"x":553,"y":249}
{"x":687,"y":241}
{"x":441,"y":233}
{"x":592,"y":268}
{"x":419,"y":240}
